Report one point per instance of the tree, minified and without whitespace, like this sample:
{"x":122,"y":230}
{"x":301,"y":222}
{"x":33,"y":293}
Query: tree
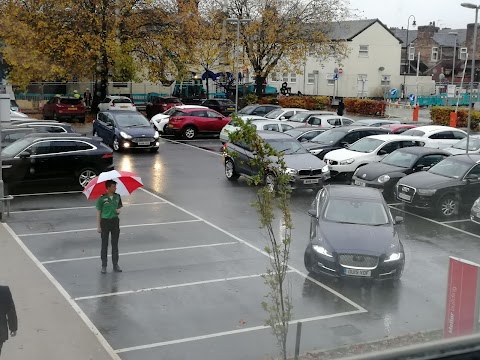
{"x":272,"y":200}
{"x":283,"y":32}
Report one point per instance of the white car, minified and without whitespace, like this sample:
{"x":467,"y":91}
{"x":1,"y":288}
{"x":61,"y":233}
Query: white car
{"x":437,"y":136}
{"x":17,"y":114}
{"x":161,"y":120}
{"x":283,"y":113}
{"x":367,"y":150}
{"x":116,"y":103}
{"x":461,"y":146}
{"x":328,"y":121}
{"x":260,"y":124}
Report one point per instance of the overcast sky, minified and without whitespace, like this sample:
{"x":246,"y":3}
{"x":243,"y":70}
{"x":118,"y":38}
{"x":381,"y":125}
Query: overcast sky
{"x":395,"y":13}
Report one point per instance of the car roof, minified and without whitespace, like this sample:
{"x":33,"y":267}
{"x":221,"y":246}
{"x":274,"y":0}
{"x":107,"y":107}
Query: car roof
{"x":350,"y":128}
{"x":422,"y":150}
{"x":297,"y":109}
{"x":470,"y":158}
{"x":190,"y":107}
{"x":370,"y":121}
{"x":433,"y":128}
{"x":390,"y":137}
{"x":62,"y":136}
{"x":398,"y":126}
{"x":117,"y":97}
{"x":307,"y":128}
{"x":40,"y":122}
{"x":267,"y":121}
{"x":273,"y":135}
{"x":118,"y":112}
{"x":197,"y":108}
{"x":355,"y":192}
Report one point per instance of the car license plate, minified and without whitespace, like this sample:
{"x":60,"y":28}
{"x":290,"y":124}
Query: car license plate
{"x":72,"y":108}
{"x":310,"y":181}
{"x":143,"y":143}
{"x":404,"y":196}
{"x":358,"y":272}
{"x":231,"y":108}
{"x":123,"y":107}
{"x":359,"y":183}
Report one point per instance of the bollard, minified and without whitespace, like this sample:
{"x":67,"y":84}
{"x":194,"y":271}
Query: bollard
{"x":453,"y":119}
{"x":297,"y":342}
{"x":415,"y":113}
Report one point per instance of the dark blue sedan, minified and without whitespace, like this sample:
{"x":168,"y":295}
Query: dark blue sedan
{"x":124,"y":129}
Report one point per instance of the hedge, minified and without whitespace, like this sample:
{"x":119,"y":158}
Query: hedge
{"x":305,"y":102}
{"x":365,"y":107}
{"x":440,"y":115}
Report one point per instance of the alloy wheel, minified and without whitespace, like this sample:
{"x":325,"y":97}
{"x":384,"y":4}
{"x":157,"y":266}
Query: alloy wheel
{"x":86,"y":176}
{"x":448,"y":206}
{"x":116,"y":144}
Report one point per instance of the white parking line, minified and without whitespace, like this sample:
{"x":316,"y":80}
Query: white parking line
{"x":127,"y":292}
{"x":67,"y":297}
{"x":329,"y":289}
{"x":80,"y":208}
{"x":455,"y":221}
{"x":195,"y":147}
{"x":123,"y":226}
{"x":140,"y":252}
{"x":233,"y":332}
{"x":437,"y":222}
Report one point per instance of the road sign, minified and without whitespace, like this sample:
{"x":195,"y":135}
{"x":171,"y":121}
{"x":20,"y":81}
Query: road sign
{"x":335,"y":77}
{"x":411,"y":97}
{"x":340,"y":70}
{"x":393,"y":92}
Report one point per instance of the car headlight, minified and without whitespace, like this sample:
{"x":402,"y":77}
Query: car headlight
{"x":316,"y":152}
{"x":347,"y":162}
{"x":125,"y":135}
{"x":156,"y":135}
{"x":426,"y":192}
{"x":393,"y":257}
{"x":321,"y":250}
{"x":325,"y":169}
{"x":383,"y":179}
{"x":291,"y":171}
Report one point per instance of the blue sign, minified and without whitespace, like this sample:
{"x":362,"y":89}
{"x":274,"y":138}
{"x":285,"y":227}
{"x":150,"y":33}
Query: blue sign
{"x":411,"y":97}
{"x":393,"y":92}
{"x":335,"y":77}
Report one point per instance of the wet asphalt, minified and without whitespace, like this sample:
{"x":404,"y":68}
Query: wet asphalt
{"x":191,"y":250}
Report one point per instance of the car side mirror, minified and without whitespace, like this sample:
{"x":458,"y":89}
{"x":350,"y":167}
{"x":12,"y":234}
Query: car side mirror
{"x":382,"y":152}
{"x":345,"y":144}
{"x":471,"y":177}
{"x":312,"y":213}
{"x":398,"y":219}
{"x":282,"y":117}
{"x":24,"y":154}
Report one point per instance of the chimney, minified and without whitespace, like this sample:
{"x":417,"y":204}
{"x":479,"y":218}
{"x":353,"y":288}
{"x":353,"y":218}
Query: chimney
{"x":426,"y":32}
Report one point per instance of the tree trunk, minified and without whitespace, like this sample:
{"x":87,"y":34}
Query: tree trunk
{"x":259,"y":80}
{"x":101,"y":83}
{"x":208,"y":77}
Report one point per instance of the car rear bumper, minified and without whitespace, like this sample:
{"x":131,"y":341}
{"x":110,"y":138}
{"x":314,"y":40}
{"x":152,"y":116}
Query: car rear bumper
{"x":68,"y":115}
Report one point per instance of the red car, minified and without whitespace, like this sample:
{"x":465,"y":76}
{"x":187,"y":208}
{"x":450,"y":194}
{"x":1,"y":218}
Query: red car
{"x":161,"y":104}
{"x":64,"y":107}
{"x":187,"y":123}
{"x":397,"y":128}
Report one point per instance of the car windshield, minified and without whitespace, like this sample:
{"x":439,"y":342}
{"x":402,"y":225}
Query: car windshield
{"x":122,"y":101}
{"x":294,"y":132}
{"x":132,"y":120}
{"x":274,"y":114}
{"x":225,"y":102}
{"x":14,"y":148}
{"x":366,"y":145}
{"x":67,"y":101}
{"x":247,"y":109}
{"x":329,"y":137}
{"x":356,"y":211}
{"x":361,"y":123}
{"x":400,"y":159}
{"x":287,"y":147}
{"x":413,"y":132}
{"x":299,"y":117}
{"x":172,"y":101}
{"x":451,"y":168}
{"x":473,"y":145}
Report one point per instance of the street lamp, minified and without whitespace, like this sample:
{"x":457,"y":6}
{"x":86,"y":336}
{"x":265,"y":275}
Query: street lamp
{"x":474,"y":49}
{"x":454,"y":33}
{"x":407,"y":55}
{"x":237,"y":54}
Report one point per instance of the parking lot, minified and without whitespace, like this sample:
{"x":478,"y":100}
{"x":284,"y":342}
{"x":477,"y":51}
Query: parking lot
{"x":192,"y":257}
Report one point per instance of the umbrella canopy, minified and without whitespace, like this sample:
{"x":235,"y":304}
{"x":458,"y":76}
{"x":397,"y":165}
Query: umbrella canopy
{"x":127,"y":182}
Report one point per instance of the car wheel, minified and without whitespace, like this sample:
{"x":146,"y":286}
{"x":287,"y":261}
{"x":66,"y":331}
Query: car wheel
{"x":81,"y":120}
{"x":85,"y":176}
{"x":230,"y":170}
{"x":448,"y":206}
{"x":307,"y":260}
{"x":45,"y":117}
{"x":94,"y":133}
{"x":116,"y":144}
{"x":189,"y":132}
{"x":270,"y":182}
{"x":55,"y":116}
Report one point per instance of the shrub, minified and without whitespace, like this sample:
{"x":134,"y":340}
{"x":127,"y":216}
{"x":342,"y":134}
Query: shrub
{"x":268,"y":100}
{"x":250,"y":99}
{"x":305,"y":102}
{"x":440,"y":115}
{"x":365,"y":107}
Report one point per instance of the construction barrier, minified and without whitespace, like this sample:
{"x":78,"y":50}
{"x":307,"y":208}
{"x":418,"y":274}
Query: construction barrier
{"x":399,"y":111}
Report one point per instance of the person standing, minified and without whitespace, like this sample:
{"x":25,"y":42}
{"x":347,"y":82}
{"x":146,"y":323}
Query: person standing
{"x":76,"y":95}
{"x":87,"y":97}
{"x":341,"y":108}
{"x":109,"y":207}
{"x":8,"y":316}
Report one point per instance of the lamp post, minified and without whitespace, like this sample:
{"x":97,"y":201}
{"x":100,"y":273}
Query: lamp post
{"x":474,"y":49}
{"x":454,"y":33}
{"x":237,"y":55}
{"x":407,"y":55}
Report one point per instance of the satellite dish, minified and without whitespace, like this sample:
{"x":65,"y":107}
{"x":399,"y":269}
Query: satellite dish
{"x":441,"y":77}
{"x":381,"y":68}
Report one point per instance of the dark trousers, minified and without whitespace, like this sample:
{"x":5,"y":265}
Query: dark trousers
{"x":1,"y":344}
{"x":110,"y":226}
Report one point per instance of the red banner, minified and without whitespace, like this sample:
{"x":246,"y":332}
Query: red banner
{"x":461,"y":316}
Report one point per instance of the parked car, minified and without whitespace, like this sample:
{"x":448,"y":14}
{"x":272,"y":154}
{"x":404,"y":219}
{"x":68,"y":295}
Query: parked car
{"x":303,"y":116}
{"x":283,"y":113}
{"x":449,"y":187}
{"x":187,"y":123}
{"x":11,"y":134}
{"x":14,"y":106}
{"x":124,"y":129}
{"x":258,"y":109}
{"x":321,"y":118}
{"x":367,"y":150}
{"x":353,"y":234}
{"x":161,"y":104}
{"x":385,"y":174}
{"x":306,"y":171}
{"x":223,"y":106}
{"x":397,"y":128}
{"x":160,"y":121}
{"x":64,"y":107}
{"x":461,"y":146}
{"x":339,"y":138}
{"x":117,"y":103}
{"x":475,"y":212}
{"x":48,"y":157}
{"x":438,"y":136}
{"x":305,"y":133}
{"x":375,"y":122}
{"x":17,"y":114}
{"x":45,"y":126}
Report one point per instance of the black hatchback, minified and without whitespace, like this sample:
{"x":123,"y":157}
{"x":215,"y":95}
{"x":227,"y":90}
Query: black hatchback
{"x":223,"y":106}
{"x":55,"y":157}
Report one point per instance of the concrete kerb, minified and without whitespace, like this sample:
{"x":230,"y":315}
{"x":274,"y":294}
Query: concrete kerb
{"x":49,"y":326}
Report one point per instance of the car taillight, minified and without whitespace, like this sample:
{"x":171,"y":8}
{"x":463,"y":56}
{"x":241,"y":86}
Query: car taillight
{"x":107,"y":156}
{"x":113,"y":105}
{"x":224,"y":146}
{"x":222,"y":108}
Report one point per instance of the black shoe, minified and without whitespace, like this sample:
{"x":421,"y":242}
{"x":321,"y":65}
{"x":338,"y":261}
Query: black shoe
{"x":116,"y":268}
{"x":104,"y":270}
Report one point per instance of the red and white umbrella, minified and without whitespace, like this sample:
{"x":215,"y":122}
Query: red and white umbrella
{"x":127,"y":182}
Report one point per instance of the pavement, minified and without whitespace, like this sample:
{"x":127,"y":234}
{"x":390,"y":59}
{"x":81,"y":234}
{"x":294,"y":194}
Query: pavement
{"x":192,"y":256}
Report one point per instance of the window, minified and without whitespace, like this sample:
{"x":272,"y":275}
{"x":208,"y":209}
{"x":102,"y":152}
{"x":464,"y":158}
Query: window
{"x":286,"y":127}
{"x":309,"y":135}
{"x":271,"y":127}
{"x":315,"y":121}
{"x":40,"y":148}
{"x":389,"y":148}
{"x":335,"y":122}
{"x":434,"y":53}
{"x":83,"y":146}
{"x":331,"y":79}
{"x":363,"y":51}
{"x":212,"y":114}
{"x":288,"y":114}
{"x":443,"y":135}
{"x":350,"y":138}
{"x":459,"y":135}
{"x":293,"y":78}
{"x":311,"y":52}
{"x":347,"y":122}
{"x":475,"y":171}
{"x":285,"y":77}
{"x":411,"y":143}
{"x":462,"y":54}
{"x":62,"y":146}
{"x":273,"y":76}
{"x":198,"y":113}
{"x":411,"y":52}
{"x":311,"y":79}
{"x":430,"y":160}
{"x":53,"y":129}
{"x":385,"y":80}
